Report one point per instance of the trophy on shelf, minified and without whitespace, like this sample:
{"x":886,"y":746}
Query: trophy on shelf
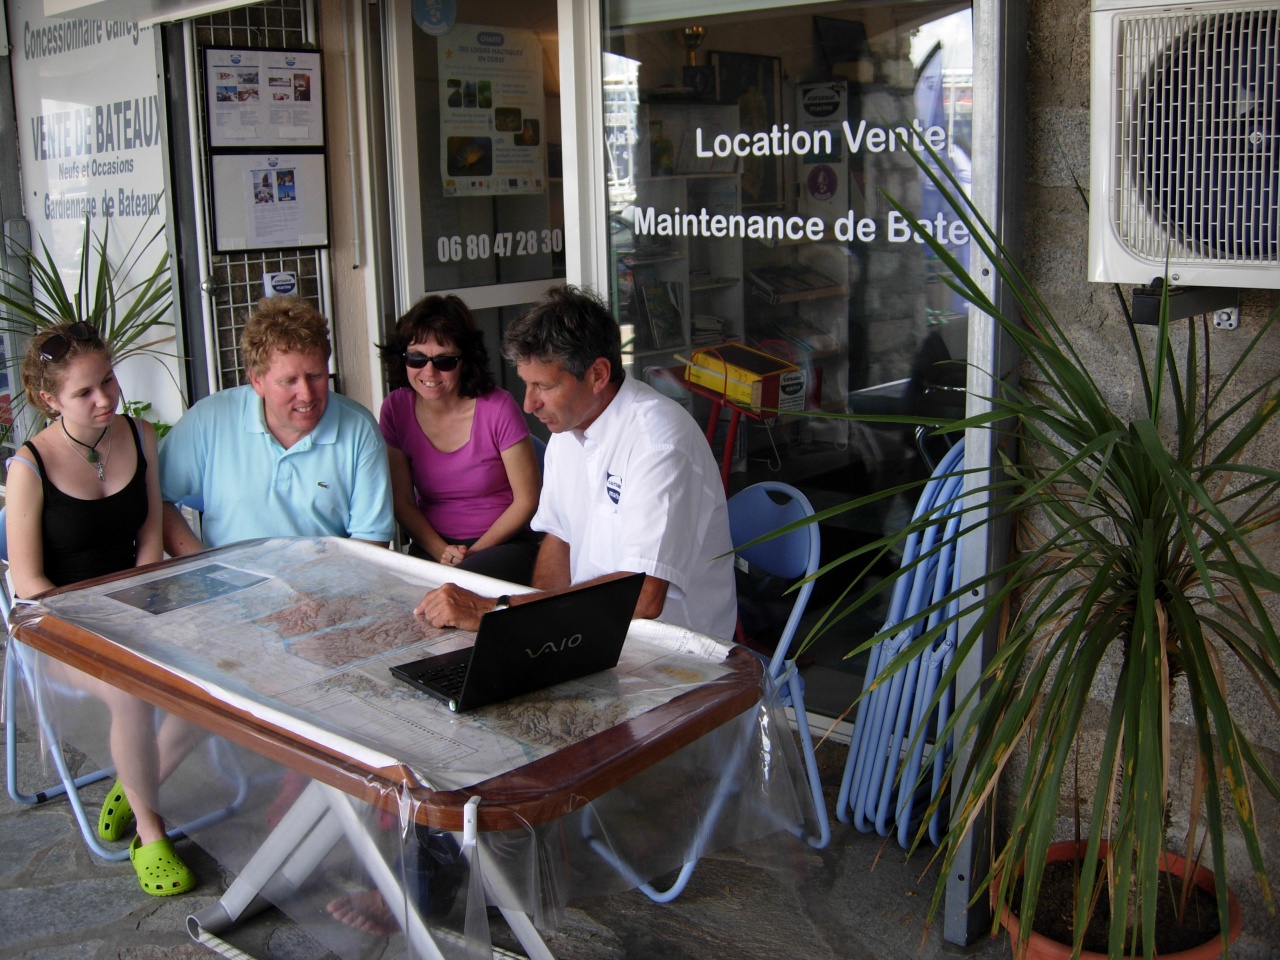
{"x":699,"y":79}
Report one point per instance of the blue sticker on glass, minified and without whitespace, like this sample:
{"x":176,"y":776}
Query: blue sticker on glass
{"x":436,"y":17}
{"x":614,"y":485}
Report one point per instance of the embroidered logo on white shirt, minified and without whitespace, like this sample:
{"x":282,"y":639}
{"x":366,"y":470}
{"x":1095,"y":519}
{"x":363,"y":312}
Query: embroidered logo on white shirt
{"x":613,"y":484}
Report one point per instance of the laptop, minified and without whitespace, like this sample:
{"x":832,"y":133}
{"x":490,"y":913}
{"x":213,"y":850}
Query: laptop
{"x":531,"y":646}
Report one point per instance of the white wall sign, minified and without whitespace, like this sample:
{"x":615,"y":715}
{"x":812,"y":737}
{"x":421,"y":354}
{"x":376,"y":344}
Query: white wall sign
{"x":89,"y":120}
{"x":282,"y":284}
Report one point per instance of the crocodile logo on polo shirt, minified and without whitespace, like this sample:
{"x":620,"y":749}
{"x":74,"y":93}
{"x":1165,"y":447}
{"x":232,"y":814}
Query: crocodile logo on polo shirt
{"x":613,"y":484}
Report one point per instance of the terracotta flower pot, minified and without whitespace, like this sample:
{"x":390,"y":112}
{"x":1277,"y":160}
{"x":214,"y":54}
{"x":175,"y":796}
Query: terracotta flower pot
{"x":1040,"y":947}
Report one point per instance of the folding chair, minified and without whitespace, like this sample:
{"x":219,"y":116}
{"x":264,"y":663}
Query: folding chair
{"x":70,"y":786}
{"x":15,"y":673}
{"x":754,"y":512}
{"x":791,"y":557}
{"x":878,"y":789}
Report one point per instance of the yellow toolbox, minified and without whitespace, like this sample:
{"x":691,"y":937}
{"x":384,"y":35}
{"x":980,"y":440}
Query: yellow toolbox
{"x":748,"y":377}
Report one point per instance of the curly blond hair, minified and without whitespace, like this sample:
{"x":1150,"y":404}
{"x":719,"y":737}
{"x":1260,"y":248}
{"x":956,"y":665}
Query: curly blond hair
{"x":285,"y":325}
{"x":47,"y":376}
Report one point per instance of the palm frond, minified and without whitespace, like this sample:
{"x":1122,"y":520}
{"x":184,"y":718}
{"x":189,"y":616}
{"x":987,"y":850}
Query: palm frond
{"x":132,"y":312}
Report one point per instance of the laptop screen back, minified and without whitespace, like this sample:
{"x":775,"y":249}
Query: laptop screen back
{"x":543,"y":642}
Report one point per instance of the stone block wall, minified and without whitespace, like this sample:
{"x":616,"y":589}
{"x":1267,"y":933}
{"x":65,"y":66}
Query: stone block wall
{"x":1055,"y":224}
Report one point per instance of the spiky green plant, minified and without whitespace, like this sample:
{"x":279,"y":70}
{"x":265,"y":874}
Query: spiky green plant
{"x":132,"y":315}
{"x":1136,"y":553}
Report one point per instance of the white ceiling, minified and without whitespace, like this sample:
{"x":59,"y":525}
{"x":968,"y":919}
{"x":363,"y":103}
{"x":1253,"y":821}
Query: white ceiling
{"x":146,"y":12}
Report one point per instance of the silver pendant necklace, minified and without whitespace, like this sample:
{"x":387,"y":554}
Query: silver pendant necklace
{"x":93,"y":458}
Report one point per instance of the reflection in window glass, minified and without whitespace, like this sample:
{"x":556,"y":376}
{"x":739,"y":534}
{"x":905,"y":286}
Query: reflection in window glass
{"x":493,"y":324}
{"x":488,"y":126}
{"x":749,"y":157}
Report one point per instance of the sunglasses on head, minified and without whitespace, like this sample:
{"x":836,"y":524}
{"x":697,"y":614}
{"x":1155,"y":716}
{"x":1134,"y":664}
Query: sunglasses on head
{"x":55,"y":348}
{"x":443,"y":362}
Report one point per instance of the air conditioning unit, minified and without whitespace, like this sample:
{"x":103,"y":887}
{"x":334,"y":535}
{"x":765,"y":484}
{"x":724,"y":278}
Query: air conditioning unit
{"x":1185,"y":143}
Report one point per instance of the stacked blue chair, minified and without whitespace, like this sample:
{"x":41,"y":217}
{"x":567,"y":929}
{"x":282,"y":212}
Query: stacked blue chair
{"x":893,"y":720}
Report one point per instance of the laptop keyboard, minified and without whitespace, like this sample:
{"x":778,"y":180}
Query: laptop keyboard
{"x":447,"y":678}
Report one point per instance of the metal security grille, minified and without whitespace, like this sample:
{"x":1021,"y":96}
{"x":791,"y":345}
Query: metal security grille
{"x":235,"y":280}
{"x":1198,"y":146}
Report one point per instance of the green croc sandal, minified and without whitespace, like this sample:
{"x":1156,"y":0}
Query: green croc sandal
{"x":160,"y":870}
{"x":116,"y":815}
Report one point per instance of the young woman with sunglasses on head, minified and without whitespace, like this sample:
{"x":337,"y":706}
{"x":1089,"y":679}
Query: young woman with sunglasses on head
{"x":82,"y":501}
{"x":464,"y":477}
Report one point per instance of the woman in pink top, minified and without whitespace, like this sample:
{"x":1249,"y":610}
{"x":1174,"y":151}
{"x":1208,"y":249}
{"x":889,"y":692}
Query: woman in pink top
{"x":464,"y":477}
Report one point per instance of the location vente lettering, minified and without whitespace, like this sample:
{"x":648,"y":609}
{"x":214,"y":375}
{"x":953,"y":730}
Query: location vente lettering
{"x":783,"y":141}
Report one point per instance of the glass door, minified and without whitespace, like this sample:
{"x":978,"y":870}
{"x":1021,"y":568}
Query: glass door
{"x":475,"y":154}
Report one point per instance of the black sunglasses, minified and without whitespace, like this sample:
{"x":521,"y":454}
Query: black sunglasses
{"x":55,"y":348}
{"x":443,"y":362}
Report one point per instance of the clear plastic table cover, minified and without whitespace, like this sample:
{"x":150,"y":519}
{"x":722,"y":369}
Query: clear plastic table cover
{"x":300,"y":633}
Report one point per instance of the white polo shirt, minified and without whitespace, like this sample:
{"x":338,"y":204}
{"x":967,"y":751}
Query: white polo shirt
{"x":639,"y":490}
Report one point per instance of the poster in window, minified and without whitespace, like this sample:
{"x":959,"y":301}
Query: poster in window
{"x":754,"y":83}
{"x":269,"y":201}
{"x":493,"y":127}
{"x":263,"y":98}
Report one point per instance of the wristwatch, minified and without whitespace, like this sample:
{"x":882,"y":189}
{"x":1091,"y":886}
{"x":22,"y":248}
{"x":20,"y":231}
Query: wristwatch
{"x":504,"y":601}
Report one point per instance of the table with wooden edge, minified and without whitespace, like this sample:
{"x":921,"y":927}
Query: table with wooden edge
{"x":537,"y":792}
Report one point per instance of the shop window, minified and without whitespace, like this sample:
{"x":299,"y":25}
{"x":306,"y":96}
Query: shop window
{"x":485,"y":156}
{"x":749,"y":155}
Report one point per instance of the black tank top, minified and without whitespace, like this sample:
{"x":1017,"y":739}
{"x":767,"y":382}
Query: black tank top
{"x":91,"y":538}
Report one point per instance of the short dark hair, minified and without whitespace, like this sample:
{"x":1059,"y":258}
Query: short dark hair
{"x":441,"y":319}
{"x":569,"y":325}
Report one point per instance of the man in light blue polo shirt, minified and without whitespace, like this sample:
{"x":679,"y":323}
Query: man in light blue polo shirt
{"x":279,"y":456}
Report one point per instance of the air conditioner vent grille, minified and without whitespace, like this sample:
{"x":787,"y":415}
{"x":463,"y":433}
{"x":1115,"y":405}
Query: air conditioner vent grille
{"x":1198,"y":143}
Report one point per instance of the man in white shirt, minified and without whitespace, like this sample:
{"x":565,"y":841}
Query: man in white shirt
{"x":629,"y":482}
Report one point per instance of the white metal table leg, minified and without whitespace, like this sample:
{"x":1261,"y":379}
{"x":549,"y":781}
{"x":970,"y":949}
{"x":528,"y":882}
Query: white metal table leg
{"x":291,"y":851}
{"x":388,"y":884}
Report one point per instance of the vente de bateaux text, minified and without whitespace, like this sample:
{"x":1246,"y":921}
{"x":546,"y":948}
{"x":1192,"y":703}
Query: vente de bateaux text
{"x":93,"y":141}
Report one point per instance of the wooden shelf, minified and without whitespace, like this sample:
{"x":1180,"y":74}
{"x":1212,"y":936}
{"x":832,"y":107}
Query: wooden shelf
{"x":633,"y":261}
{"x":691,"y":175}
{"x":792,"y":284}
{"x":815,"y":294}
{"x":715,"y":283}
{"x":656,"y":352}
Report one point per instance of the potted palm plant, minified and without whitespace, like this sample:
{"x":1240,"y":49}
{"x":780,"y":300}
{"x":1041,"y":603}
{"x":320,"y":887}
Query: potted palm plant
{"x":1134,"y":576}
{"x":130,"y":308}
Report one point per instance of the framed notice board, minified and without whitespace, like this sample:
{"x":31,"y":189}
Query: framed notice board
{"x":264,"y":123}
{"x":269,"y":201}
{"x":263,"y":98}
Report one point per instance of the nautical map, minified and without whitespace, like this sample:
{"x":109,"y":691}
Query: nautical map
{"x":334,"y":632}
{"x":303,"y":632}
